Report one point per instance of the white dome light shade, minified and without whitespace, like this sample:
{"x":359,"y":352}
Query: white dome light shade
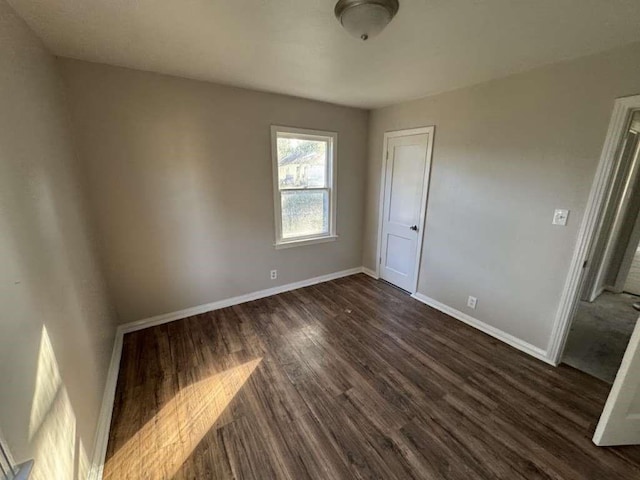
{"x":365,"y":19}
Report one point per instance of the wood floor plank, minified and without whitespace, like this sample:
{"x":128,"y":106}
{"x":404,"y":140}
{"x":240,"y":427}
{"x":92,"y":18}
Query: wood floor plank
{"x":349,"y":379}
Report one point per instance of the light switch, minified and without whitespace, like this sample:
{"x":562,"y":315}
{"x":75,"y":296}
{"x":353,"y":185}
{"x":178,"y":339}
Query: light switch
{"x":560,"y":216}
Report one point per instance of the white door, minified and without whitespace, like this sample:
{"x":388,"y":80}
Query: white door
{"x":620,"y":420}
{"x":408,"y":161}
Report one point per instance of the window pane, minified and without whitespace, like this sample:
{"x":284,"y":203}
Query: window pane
{"x":302,"y":163}
{"x":304,"y":213}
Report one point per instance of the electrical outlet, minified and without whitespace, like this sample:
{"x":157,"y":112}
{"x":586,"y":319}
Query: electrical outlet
{"x":274,"y":274}
{"x":471,"y":302}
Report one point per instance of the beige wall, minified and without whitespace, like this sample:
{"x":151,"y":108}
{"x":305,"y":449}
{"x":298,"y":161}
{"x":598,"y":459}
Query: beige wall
{"x":507,"y":153}
{"x":180,"y":181}
{"x":56,"y":331}
{"x":177,"y":176}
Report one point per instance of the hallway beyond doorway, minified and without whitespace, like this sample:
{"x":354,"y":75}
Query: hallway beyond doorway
{"x":600,"y":333}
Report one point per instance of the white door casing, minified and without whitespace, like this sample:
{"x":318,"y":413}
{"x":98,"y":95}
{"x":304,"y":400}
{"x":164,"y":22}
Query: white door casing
{"x":620,"y":420}
{"x":591,"y":225}
{"x":619,"y":218}
{"x":405,"y":183}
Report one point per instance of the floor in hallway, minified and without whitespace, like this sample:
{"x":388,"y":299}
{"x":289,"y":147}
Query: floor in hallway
{"x":600,"y":333}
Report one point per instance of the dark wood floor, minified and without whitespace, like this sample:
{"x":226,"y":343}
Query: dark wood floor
{"x":349,"y":379}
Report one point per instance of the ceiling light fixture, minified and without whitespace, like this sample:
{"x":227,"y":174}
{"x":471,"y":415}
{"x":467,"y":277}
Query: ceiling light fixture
{"x":365,"y":18}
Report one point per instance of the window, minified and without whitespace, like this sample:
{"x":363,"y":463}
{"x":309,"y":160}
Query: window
{"x":8,"y":468}
{"x":304,"y":164}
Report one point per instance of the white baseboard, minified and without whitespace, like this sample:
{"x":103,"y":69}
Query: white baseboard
{"x":104,"y":421}
{"x":371,"y":273}
{"x":208,"y":307}
{"x":507,"y":338}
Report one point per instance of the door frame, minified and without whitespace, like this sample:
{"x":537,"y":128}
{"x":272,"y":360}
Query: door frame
{"x":629,"y":255}
{"x":430,"y":131}
{"x":600,"y":283}
{"x":591,"y":226}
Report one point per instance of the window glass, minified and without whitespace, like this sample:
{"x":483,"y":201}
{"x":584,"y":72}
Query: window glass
{"x":302,"y":163}
{"x":304,"y":213}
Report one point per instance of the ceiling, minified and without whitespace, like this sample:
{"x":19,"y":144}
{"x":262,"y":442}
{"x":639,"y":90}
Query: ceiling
{"x":297,"y":47}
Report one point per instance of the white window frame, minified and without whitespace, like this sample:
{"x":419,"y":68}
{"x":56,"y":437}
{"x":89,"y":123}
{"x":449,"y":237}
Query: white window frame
{"x":9,"y":470}
{"x":332,"y":162}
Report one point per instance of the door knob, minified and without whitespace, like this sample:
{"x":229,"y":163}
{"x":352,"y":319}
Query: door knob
{"x":414,"y":228}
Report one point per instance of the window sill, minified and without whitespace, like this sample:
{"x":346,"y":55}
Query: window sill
{"x":307,"y":241}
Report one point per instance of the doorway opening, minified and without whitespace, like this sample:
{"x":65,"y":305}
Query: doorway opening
{"x":406,"y":169}
{"x":594,"y":268}
{"x":605,"y":315}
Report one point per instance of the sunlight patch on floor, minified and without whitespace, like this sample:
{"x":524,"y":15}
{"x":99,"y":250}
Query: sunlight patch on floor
{"x":158,"y":450}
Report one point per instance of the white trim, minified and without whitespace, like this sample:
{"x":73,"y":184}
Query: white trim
{"x":622,"y":208}
{"x":104,"y":421}
{"x":207,"y":307}
{"x":6,"y":456}
{"x":634,"y":237}
{"x":590,"y":224}
{"x":430,"y":131}
{"x":310,"y":241}
{"x":106,"y":410}
{"x":371,"y":273}
{"x":505,"y":337}
{"x":331,"y":139}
